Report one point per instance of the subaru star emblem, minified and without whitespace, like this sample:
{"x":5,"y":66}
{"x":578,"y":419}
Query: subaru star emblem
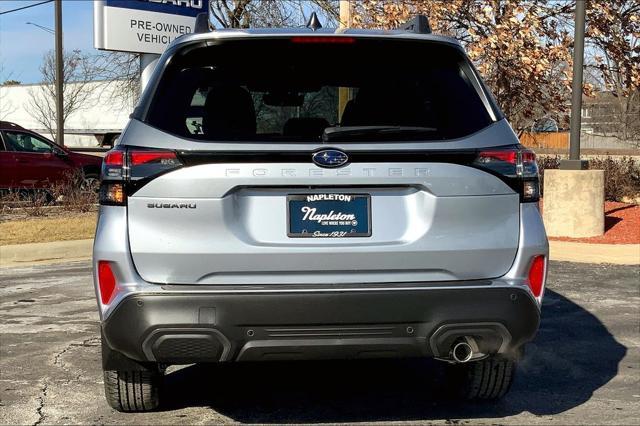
{"x":330,"y":158}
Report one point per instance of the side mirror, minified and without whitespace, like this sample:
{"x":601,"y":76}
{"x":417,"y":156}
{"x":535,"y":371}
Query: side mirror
{"x":60,"y":152}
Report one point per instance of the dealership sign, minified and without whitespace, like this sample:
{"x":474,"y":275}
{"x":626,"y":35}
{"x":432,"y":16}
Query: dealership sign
{"x":143,"y":26}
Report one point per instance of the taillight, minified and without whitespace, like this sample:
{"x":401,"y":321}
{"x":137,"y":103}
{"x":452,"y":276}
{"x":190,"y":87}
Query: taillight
{"x":517,"y":166}
{"x":509,"y":156}
{"x":125,"y":169}
{"x":112,"y":194}
{"x":147,"y":163}
{"x":114,"y":158}
{"x":113,"y":165}
{"x":536,"y":276}
{"x":106,"y":282}
{"x":137,"y":158}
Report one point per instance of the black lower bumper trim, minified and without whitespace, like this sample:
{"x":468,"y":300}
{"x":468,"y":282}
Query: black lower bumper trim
{"x":201,"y":327}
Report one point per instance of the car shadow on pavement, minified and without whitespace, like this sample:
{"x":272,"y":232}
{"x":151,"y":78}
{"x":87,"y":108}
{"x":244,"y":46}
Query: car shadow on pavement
{"x":573,"y":356}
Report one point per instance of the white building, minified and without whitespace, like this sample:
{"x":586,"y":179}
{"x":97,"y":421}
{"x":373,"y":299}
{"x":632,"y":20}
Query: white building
{"x":100,"y":113}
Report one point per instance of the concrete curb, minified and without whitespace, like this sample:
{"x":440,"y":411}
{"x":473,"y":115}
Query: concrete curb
{"x":618,"y":254}
{"x":39,"y":253}
{"x":64,"y":251}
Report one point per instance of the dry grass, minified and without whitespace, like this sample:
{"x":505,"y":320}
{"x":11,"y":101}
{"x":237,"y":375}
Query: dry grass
{"x":78,"y":226}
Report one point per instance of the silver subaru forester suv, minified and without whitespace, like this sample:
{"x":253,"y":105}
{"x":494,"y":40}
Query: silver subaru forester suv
{"x":333,"y":194}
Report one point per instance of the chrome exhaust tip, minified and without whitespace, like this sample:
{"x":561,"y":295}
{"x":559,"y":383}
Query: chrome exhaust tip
{"x":462,"y":352}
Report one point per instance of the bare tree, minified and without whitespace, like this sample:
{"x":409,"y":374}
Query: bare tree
{"x":6,"y":106}
{"x":121,"y":72}
{"x":613,"y":40}
{"x":78,"y":72}
{"x":272,"y":13}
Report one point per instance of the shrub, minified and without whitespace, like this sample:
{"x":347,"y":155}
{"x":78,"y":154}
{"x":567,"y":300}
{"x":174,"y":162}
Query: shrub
{"x":71,"y":195}
{"x":33,"y":203}
{"x":621,"y":175}
{"x":8,"y":200}
{"x":547,"y":162}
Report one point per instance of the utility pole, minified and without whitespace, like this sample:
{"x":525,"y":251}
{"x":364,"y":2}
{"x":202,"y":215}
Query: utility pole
{"x":344,"y":93}
{"x":345,"y":13}
{"x":148,"y":63}
{"x":59,"y":75}
{"x":574,"y":195}
{"x":574,"y":162}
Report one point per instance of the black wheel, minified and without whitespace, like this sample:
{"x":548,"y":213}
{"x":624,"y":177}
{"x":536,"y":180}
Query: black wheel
{"x":90,"y":182}
{"x":132,"y":391}
{"x":487,"y":379}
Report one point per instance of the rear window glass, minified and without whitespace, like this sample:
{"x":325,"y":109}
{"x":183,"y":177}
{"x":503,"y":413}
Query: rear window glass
{"x":280,"y":90}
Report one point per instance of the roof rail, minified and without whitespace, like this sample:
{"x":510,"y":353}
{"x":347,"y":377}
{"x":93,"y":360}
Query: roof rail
{"x":10,"y":125}
{"x":202,"y":23}
{"x":419,"y":24}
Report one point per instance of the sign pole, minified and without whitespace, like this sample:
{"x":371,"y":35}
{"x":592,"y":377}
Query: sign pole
{"x":574,"y":162}
{"x":574,"y":196}
{"x":148,"y":63}
{"x":344,"y":94}
{"x":59,"y":75}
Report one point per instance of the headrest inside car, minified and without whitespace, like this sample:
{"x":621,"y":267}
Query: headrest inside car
{"x":229,"y":112}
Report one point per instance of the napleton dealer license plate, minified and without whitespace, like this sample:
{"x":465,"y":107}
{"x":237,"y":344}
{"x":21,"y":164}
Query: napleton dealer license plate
{"x":329,"y":215}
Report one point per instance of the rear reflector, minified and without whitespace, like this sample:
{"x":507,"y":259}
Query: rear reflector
{"x":324,"y":40}
{"x":536,"y":276}
{"x":106,"y":282}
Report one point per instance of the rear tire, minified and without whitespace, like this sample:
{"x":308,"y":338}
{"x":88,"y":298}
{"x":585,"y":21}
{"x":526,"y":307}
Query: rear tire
{"x":487,"y":379}
{"x":132,"y":391}
{"x":90,"y":182}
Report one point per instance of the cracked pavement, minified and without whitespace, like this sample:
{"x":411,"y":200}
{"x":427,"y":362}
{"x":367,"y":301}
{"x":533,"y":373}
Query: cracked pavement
{"x":584,"y":366}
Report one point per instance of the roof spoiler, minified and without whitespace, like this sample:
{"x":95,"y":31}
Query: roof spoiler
{"x":202,"y":23}
{"x":419,"y":24}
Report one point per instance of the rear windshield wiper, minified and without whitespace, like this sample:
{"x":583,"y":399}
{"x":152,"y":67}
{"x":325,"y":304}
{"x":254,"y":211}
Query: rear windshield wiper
{"x":376,"y":133}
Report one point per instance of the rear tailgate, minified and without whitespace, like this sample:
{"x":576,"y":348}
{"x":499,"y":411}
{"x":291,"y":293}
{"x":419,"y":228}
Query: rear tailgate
{"x":227,"y":221}
{"x":227,"y":224}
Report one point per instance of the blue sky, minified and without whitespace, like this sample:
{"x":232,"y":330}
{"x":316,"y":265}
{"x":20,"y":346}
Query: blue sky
{"x":22,"y":46}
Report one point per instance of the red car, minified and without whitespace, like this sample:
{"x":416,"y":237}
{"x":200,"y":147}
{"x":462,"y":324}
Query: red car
{"x":30,"y":161}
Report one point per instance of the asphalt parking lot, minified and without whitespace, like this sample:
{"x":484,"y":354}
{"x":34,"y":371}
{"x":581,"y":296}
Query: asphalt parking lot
{"x":584,"y":366}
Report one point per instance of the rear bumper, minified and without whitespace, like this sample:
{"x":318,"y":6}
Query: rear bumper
{"x":204,"y":327}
